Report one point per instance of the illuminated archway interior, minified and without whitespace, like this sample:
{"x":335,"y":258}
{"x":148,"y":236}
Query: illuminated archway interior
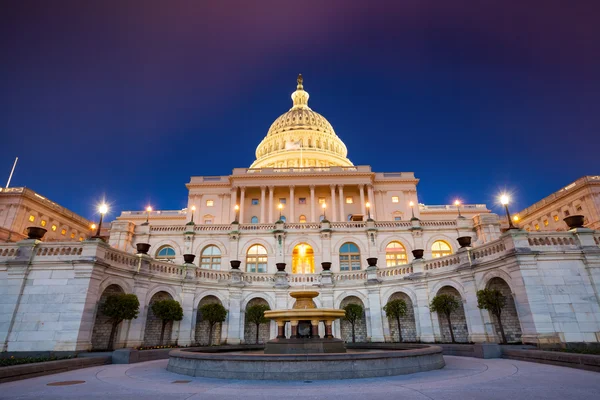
{"x":303,"y":259}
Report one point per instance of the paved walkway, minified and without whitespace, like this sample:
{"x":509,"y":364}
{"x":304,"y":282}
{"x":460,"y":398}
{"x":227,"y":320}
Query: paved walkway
{"x":461,"y":379}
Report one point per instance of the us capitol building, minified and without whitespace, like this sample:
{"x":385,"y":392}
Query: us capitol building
{"x":303,"y":216}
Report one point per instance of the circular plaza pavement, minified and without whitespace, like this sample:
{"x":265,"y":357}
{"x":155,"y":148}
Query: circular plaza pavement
{"x":461,"y":379}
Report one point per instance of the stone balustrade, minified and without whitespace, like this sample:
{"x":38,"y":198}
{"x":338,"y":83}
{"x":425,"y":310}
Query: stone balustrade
{"x":212,"y":275}
{"x":562,"y":239}
{"x":390,"y":273}
{"x":448,"y":261}
{"x":295,"y":280}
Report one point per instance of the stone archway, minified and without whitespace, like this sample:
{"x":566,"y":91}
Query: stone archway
{"x":458,"y":318}
{"x":154,"y":324}
{"x":510,"y":318}
{"x":361,"y":325}
{"x":407,"y":323}
{"x":102,"y":325}
{"x":203,"y":327}
{"x":264,"y":333}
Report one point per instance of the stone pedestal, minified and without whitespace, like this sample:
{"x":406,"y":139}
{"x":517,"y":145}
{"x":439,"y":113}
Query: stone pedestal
{"x":236,"y":278}
{"x":281,"y":281}
{"x":304,"y":346}
{"x":326,"y":278}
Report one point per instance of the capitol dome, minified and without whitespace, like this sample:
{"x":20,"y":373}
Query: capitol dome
{"x":301,"y":138}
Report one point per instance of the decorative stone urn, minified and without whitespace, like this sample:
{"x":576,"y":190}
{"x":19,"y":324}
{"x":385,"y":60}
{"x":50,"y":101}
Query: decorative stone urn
{"x":574,"y":221}
{"x":418,"y":254}
{"x":326,"y":266}
{"x":35,"y":232}
{"x":189,"y":258}
{"x":464,"y":241}
{"x":372,"y":261}
{"x":280,"y":267}
{"x":235,"y":264}
{"x":142,"y":248}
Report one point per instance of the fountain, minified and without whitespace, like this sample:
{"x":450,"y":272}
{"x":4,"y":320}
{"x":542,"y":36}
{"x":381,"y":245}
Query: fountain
{"x":305,"y":355}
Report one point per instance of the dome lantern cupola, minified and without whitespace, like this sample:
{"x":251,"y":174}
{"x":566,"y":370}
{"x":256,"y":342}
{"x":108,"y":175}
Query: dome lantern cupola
{"x":301,"y":138}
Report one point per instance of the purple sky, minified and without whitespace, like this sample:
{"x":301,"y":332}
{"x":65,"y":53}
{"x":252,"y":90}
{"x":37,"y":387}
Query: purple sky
{"x":115,"y":99}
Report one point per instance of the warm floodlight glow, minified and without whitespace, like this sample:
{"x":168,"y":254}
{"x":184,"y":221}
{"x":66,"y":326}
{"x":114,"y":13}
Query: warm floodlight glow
{"x":93,"y":226}
{"x":504,"y":199}
{"x":236,"y":208}
{"x":516,"y":218}
{"x":323,"y":206}
{"x":280,"y":206}
{"x":103,"y":208}
{"x":149,"y":209}
{"x":411,"y":204}
{"x":457,"y":203}
{"x":368,"y":204}
{"x":193,"y":208}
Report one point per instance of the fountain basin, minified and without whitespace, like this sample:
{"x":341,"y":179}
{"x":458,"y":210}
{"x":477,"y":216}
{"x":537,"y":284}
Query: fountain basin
{"x":354,"y":364}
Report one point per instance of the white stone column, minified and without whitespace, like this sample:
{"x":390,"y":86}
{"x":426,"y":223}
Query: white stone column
{"x":292,"y":202}
{"x":333,"y":210}
{"x":186,"y":326}
{"x":242,"y":198}
{"x":262,"y":204}
{"x":232,"y":205}
{"x":271,"y":190}
{"x":234,"y":334}
{"x":363,"y":208}
{"x":372,"y":201}
{"x":138,"y":325}
{"x":312,"y":203}
{"x":342,"y":212}
{"x":475,"y":321}
{"x":375,"y":312}
{"x":423,"y":316}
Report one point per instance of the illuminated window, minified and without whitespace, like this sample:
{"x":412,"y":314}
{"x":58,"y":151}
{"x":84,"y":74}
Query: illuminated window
{"x":395,"y":199}
{"x":397,"y":218}
{"x":440,"y":249}
{"x":210,"y":257}
{"x":165,"y":253}
{"x":349,"y":257}
{"x":349,"y":200}
{"x":256,"y":259}
{"x":210,"y":203}
{"x":527,"y":229}
{"x":321,"y":200}
{"x":254,"y":220}
{"x":545,"y":222}
{"x":73,"y":235}
{"x":395,"y":254}
{"x":556,"y":217}
{"x":282,"y":200}
{"x":53,"y":228}
{"x":302,"y":219}
{"x":537,"y":227}
{"x":43,"y":223}
{"x":81,"y":238}
{"x":302,"y":200}
{"x":567,"y":213}
{"x":31,"y":218}
{"x":63,"y":232}
{"x":254,"y":202}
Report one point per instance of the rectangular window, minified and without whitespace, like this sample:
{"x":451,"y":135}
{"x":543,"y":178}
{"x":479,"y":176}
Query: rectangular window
{"x":397,"y":218}
{"x":349,"y":200}
{"x":282,"y":200}
{"x":395,"y":199}
{"x":254,"y":202}
{"x":321,"y":200}
{"x":210,"y":203}
{"x":31,"y":218}
{"x":43,"y":223}
{"x":208,"y":221}
{"x":537,"y":227}
{"x":53,"y":228}
{"x":302,"y":200}
{"x":556,"y":217}
{"x":545,"y":222}
{"x":567,"y":213}
{"x":63,"y":232}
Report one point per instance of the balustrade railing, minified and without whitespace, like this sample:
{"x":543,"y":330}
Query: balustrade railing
{"x":357,"y":224}
{"x":349,"y":276}
{"x":257,"y":227}
{"x":552,"y":239}
{"x":212,"y":228}
{"x":393,"y":224}
{"x":214,"y":275}
{"x":252,"y":277}
{"x":488,"y":250}
{"x":395,"y":271}
{"x":304,"y":279}
{"x":442,"y":262}
{"x":166,"y":268}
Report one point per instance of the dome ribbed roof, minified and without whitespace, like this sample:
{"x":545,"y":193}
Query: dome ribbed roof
{"x":301,"y":119}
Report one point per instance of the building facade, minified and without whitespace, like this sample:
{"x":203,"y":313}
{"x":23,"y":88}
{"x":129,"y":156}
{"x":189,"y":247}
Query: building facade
{"x":303,"y":217}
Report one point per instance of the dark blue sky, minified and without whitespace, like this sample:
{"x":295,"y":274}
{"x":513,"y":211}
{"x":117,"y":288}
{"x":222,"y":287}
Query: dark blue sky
{"x":118,"y":99}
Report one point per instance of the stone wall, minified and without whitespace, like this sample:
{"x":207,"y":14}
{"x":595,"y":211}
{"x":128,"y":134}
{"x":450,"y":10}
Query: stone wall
{"x":154,"y":325}
{"x":102,"y":325}
{"x":407,"y":322}
{"x":510,"y":319}
{"x":203,"y":327}
{"x":459,"y":321}
{"x":250,"y":328}
{"x":360,"y":329}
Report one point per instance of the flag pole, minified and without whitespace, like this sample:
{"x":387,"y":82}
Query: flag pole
{"x":11,"y":172}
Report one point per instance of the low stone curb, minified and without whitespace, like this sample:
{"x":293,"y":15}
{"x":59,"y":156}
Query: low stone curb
{"x":132,"y":356}
{"x":25,"y":371}
{"x":588,"y":362}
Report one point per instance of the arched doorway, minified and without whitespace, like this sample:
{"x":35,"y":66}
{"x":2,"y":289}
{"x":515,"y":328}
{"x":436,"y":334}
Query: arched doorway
{"x":509,"y":316}
{"x":264,"y":332}
{"x":361,"y":325}
{"x":303,"y":259}
{"x":102,"y":326}
{"x":458,"y":318}
{"x":203,"y":327}
{"x":407,"y":322}
{"x":154,"y":324}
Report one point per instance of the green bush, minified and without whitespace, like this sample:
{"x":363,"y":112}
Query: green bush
{"x":7,"y":362}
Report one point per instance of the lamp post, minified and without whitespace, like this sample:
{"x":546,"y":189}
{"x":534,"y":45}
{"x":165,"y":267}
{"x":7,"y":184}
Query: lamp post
{"x":280,"y":206}
{"x":324,"y":207}
{"x":102,"y":209}
{"x":148,"y":211}
{"x":412,"y":210}
{"x":368,"y":205}
{"x":457,"y":204}
{"x":504,"y":200}
{"x":192,"y":220}
{"x":237,"y":213}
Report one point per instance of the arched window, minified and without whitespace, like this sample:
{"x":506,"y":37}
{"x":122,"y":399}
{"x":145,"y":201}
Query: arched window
{"x":165,"y":253}
{"x":256,"y":259}
{"x":395,"y":254}
{"x":349,"y":257}
{"x":440,"y":248}
{"x":254,"y":220}
{"x":283,"y":218}
{"x":210,"y":257}
{"x":302,"y":219}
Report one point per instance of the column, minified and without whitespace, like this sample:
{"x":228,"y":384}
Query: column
{"x":342,"y":212}
{"x":186,"y":325}
{"x":372,"y":201}
{"x":375,"y":312}
{"x":233,"y":203}
{"x":333,"y":210}
{"x":271,"y":189}
{"x":312,"y":203}
{"x":234,"y":315}
{"x":427,"y":330}
{"x":292,"y":202}
{"x":363,"y":208}
{"x":242,"y":196}
{"x":262,"y":204}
